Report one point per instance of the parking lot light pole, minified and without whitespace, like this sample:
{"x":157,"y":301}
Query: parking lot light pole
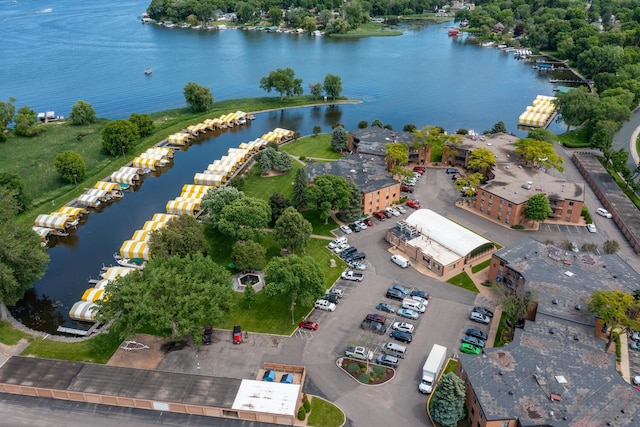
{"x":293,"y":306}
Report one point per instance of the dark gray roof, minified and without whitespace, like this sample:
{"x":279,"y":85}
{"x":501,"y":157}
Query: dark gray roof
{"x":504,"y":379}
{"x":372,"y":141}
{"x":117,"y":381}
{"x":367,"y":172}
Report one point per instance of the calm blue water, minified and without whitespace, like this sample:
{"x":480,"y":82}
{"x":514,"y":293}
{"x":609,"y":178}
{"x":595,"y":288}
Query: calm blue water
{"x":56,"y":53}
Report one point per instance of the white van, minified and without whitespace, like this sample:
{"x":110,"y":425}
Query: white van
{"x":401,"y":261}
{"x":414,"y":305}
{"x":394,"y":349}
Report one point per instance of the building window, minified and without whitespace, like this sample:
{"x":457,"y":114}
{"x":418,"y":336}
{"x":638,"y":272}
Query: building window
{"x":482,"y":202}
{"x":506,"y":221}
{"x":488,"y":212}
{"x":505,"y":424}
{"x":483,"y":192}
{"x":570,"y":203}
{"x":569,"y":211}
{"x":490,"y":205}
{"x":501,"y":201}
{"x":499,"y":217}
{"x":509,"y":205}
{"x":481,"y":209}
{"x":566,"y":219}
{"x":490,"y":196}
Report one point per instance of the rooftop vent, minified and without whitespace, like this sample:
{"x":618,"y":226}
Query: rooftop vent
{"x":554,"y":301}
{"x":576,"y":337}
{"x":552,"y":331}
{"x":578,"y":307}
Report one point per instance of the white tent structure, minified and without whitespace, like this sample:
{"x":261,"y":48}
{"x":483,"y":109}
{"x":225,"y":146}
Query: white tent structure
{"x":50,"y":221}
{"x":83,"y":311}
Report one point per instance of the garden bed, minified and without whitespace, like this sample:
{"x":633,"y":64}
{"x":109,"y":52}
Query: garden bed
{"x":366,"y":373}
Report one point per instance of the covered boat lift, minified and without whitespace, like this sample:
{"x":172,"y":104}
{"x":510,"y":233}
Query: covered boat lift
{"x":51,"y":221}
{"x":141,"y":236}
{"x":113,"y":273}
{"x":163,"y":217}
{"x":209,"y":179}
{"x":153,"y":226}
{"x":179,"y":138}
{"x":146,"y":163}
{"x":181,"y":208}
{"x":163,"y":151}
{"x":87,"y":200}
{"x":125,"y":178}
{"x":93,"y":294}
{"x":195,"y":190}
{"x":84,"y":311}
{"x":102,"y":195}
{"x":133,"y":249}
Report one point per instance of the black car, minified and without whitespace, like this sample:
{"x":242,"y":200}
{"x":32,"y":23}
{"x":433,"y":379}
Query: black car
{"x":375,"y":327}
{"x":395,"y":294}
{"x":355,"y":227}
{"x":355,"y":256}
{"x":483,"y":310}
{"x":351,"y":249}
{"x":452,"y":170}
{"x":405,"y":337}
{"x":476,"y":333}
{"x":208,"y":335}
{"x":332,"y":298}
{"x":419,"y":293}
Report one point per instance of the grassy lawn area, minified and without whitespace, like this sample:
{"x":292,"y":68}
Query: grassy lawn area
{"x":578,"y":138}
{"x":96,"y":350}
{"x":463,"y":280}
{"x":314,"y":146}
{"x":10,"y":335}
{"x":452,"y":365}
{"x":368,"y":29}
{"x":319,"y":227}
{"x":263,"y":187}
{"x":481,"y":266}
{"x":324,"y":414}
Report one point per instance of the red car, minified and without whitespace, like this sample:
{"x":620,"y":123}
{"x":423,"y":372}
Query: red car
{"x":237,"y":335}
{"x":308,"y":324}
{"x":406,"y":188}
{"x":380,"y":216}
{"x":413,"y":204}
{"x":374,"y":317}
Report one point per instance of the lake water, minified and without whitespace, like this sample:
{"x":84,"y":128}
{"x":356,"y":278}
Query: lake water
{"x":56,"y":53}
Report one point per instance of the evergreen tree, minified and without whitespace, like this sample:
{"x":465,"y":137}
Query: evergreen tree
{"x":339,"y":138}
{"x":299,"y":189}
{"x":447,"y":404}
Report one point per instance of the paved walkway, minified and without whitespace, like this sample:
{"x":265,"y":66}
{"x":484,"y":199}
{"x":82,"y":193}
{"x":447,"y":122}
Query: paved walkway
{"x":626,"y":138}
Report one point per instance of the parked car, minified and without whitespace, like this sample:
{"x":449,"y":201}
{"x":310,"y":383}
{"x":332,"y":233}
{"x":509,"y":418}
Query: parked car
{"x":308,"y":324}
{"x":237,"y":335}
{"x":409,"y":314}
{"x":394,"y":294}
{"x":334,"y":291}
{"x":386,"y":360}
{"x":634,"y":345}
{"x":375,"y":327}
{"x":337,"y":242}
{"x":591,"y":228}
{"x":421,"y":300}
{"x":400,"y":288}
{"x":470,"y":348}
{"x":636,"y":380}
{"x":207,"y":336}
{"x":369,"y":222}
{"x":603,"y":212}
{"x":323,"y":304}
{"x":341,"y":247}
{"x":421,"y":169}
{"x":355,"y":227}
{"x":401,"y":336}
{"x":480,"y":318}
{"x":452,"y":170}
{"x":635,"y":335}
{"x":355,"y":256}
{"x":413,"y":204}
{"x":406,"y":188}
{"x":476,"y":333}
{"x":419,"y":293}
{"x":388,"y":308}
{"x":380,"y":216}
{"x":355,"y":265}
{"x":375,"y":317}
{"x":332,"y":298}
{"x":394,"y":212}
{"x":574,"y":247}
{"x":473,"y":340}
{"x":403,"y":326}
{"x":345,"y":229}
{"x":401,"y":209}
{"x":361,"y":224}
{"x":348,"y":251}
{"x":483,"y":310}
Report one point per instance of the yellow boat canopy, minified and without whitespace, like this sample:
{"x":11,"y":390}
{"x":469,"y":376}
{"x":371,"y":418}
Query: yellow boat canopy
{"x":179,"y":138}
{"x":86,"y":200}
{"x":84,"y":311}
{"x":113,"y":273}
{"x":163,"y":151}
{"x":125,"y":178}
{"x":50,"y":221}
{"x":141,"y":236}
{"x":194,"y":200}
{"x":152,"y":226}
{"x":93,"y":294}
{"x":71,"y":212}
{"x":209,"y":179}
{"x":109,"y":186}
{"x":102,"y":283}
{"x":134,"y":249}
{"x":163,"y":217}
{"x":191,"y":189}
{"x":213,"y":123}
{"x":103,"y":195}
{"x":141,"y":162}
{"x":160,"y":159}
{"x":180,"y":208}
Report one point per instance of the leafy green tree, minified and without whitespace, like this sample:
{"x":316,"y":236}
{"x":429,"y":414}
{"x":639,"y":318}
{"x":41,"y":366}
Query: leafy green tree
{"x":339,"y":138}
{"x":71,"y":166}
{"x":82,"y":113}
{"x":299,"y":189}
{"x":275,"y":15}
{"x":282,"y":162}
{"x":377,"y":123}
{"x":3,"y":134}
{"x":469,"y":184}
{"x":181,"y":237}
{"x":337,"y":26}
{"x":7,"y":111}
{"x":310,"y":23}
{"x":613,"y":308}
{"x":481,"y":159}
{"x":363,"y":124}
{"x":330,"y":189}
{"x":499,"y":127}
{"x":434,"y":137}
{"x":278,"y":203}
{"x":173,"y":296}
{"x":409,"y":127}
{"x":199,"y":98}
{"x":397,"y":154}
{"x":542,"y":134}
{"x":26,"y":122}
{"x":575,"y":106}
{"x":619,"y":159}
{"x":538,"y":207}
{"x":249,"y":295}
{"x":316,"y":130}
{"x":602,"y":137}
{"x":539,"y":153}
{"x":292,"y":231}
{"x":600,"y":59}
{"x":143,"y":122}
{"x":22,"y":259}
{"x":12,"y":182}
{"x":447,"y":404}
{"x":316,"y":90}
{"x":610,"y":246}
{"x":245,"y":219}
{"x":283,"y":81}
{"x":332,"y":86}
{"x":248,"y":255}
{"x":216,"y":199}
{"x":119,"y":135}
{"x":514,"y":306}
{"x":300,"y":278}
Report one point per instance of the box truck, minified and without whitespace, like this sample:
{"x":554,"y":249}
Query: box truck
{"x":432,"y":367}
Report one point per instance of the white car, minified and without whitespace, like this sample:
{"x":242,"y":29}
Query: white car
{"x":421,"y":300}
{"x":393,"y":212}
{"x":345,"y":229}
{"x":480,"y":318}
{"x":337,"y":242}
{"x":362,"y":225}
{"x":603,"y":212}
{"x":323,"y":304}
{"x":400,"y":209}
{"x":636,"y":380}
{"x":341,"y":248}
{"x":591,"y":228}
{"x":403,"y":326}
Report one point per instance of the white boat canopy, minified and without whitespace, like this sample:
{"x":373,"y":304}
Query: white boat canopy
{"x":113,"y":273}
{"x":86,"y":200}
{"x":164,"y":151}
{"x":163,"y":217}
{"x":102,"y":283}
{"x":134,"y":249}
{"x":101,"y":194}
{"x":84,"y":311}
{"x":109,"y":186}
{"x":180,"y":208}
{"x":43,"y":232}
{"x":93,"y":294}
{"x":195,"y":201}
{"x":50,"y":221}
{"x":126,"y":178}
{"x":207,"y":179}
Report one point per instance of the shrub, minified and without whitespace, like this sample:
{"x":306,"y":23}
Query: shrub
{"x":379,"y":369}
{"x":363,"y":365}
{"x":302,"y":413}
{"x":71,"y":166}
{"x":409,"y":127}
{"x":587,"y":216}
{"x":303,"y":158}
{"x":616,"y":337}
{"x":82,"y":113}
{"x":364,"y":378}
{"x":306,"y":405}
{"x":518,"y":227}
{"x":363,"y":124}
{"x":316,"y":130}
{"x":353,"y":368}
{"x":462,"y":131}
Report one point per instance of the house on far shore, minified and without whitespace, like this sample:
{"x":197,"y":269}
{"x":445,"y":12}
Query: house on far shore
{"x":511,"y":183}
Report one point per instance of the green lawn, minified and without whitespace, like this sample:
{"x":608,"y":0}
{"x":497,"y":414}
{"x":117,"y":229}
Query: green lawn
{"x":319,"y":227}
{"x":578,"y":138}
{"x":452,"y":365}
{"x":312,"y":147}
{"x":324,"y":414}
{"x":481,"y":266}
{"x":10,"y":335}
{"x":368,"y":29}
{"x":463,"y":280}
{"x":97,"y":349}
{"x":263,"y":187}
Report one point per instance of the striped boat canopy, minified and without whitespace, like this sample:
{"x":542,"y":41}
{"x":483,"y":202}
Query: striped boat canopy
{"x":164,"y":151}
{"x":102,"y":283}
{"x":42,"y":231}
{"x":134,"y":249}
{"x":180,"y":208}
{"x":141,"y":236}
{"x":83,"y":310}
{"x":71,"y":212}
{"x":113,"y":273}
{"x":209,"y":179}
{"x":153,"y":226}
{"x":93,"y":294}
{"x":126,"y":178}
{"x":163,"y":217}
{"x":101,"y":194}
{"x":109,"y":186}
{"x":195,"y":201}
{"x":50,"y":221}
{"x":86,"y":200}
{"x":141,"y":162}
{"x":199,"y":190}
